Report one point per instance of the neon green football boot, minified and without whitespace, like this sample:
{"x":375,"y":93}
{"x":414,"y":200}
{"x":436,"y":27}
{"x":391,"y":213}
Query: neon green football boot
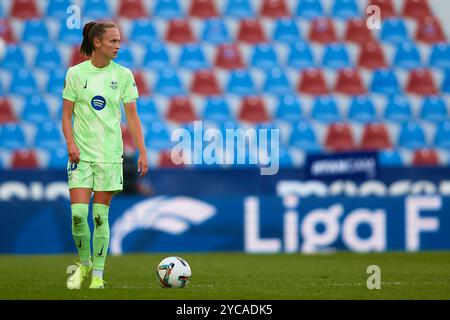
{"x":97,"y":283}
{"x":76,"y":279}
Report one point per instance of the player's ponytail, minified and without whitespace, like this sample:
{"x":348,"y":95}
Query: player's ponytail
{"x":93,"y":30}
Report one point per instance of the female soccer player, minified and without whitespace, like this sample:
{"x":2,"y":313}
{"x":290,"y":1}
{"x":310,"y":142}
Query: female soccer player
{"x":93,"y":91}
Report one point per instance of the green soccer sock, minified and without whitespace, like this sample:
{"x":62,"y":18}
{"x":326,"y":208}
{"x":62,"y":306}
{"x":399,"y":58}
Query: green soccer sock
{"x":101,"y":235}
{"x":80,"y":230}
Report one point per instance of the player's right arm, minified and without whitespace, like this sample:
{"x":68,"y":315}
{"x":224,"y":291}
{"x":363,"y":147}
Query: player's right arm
{"x":72,"y":149}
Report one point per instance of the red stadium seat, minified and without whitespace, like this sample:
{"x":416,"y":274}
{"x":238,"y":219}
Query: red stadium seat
{"x":132,"y":9}
{"x":339,"y":138}
{"x":425,"y":157}
{"x":24,"y":9}
{"x":322,"y":31}
{"x":430,"y":31}
{"x":141,"y":83}
{"x":386,"y":8}
{"x":253,"y":109}
{"x":128,"y":143}
{"x":421,"y":82}
{"x":203,"y":9}
{"x":251,"y":31}
{"x":76,"y":57}
{"x":24,"y":159}
{"x":180,"y":110}
{"x":179,"y":31}
{"x":229,"y":57}
{"x":205,"y":83}
{"x":6,"y":112}
{"x":349,"y":82}
{"x":416,"y":9}
{"x":371,"y":56}
{"x":166,"y":161}
{"x":6,"y":32}
{"x":357,"y":31}
{"x":274,"y":9}
{"x":375,"y":137}
{"x":312,"y":82}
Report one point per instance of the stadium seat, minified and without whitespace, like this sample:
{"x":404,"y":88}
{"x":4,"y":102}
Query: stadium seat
{"x":192,"y":57}
{"x":156,"y":56}
{"x":274,"y":9}
{"x":398,"y":109}
{"x":384,"y":81}
{"x":312,"y":82}
{"x":264,"y":56}
{"x":132,"y":9}
{"x":6,"y":31}
{"x":362,"y":110}
{"x":390,"y":158}
{"x":48,"y":57}
{"x":179,"y":31}
{"x":23,"y":83}
{"x":253,"y":109}
{"x":285,"y":159}
{"x":349,"y":82}
{"x":215,"y":31}
{"x":442,"y":135}
{"x":322,"y":31}
{"x":167,"y":9}
{"x":371,"y":56}
{"x":24,"y":9}
{"x":289,"y":108}
{"x":310,"y":9}
{"x":303,"y":137}
{"x":393,"y":30}
{"x":425,"y":157}
{"x":96,"y":9}
{"x":14,"y":58}
{"x":157,"y":136}
{"x":6,"y":111}
{"x":339,"y":138}
{"x":434,"y":109}
{"x":228,"y":56}
{"x":205,"y":83}
{"x":180,"y":110}
{"x":72,"y":37}
{"x":345,"y":9}
{"x":55,"y":83}
{"x":300,"y":56}
{"x":125,"y":57}
{"x":239,"y":9}
{"x":143,"y":31}
{"x":446,"y":82}
{"x":335,"y":56}
{"x":24,"y":159}
{"x":203,"y":9}
{"x":286,"y":31}
{"x":147,"y":110}
{"x":141,"y":83}
{"x":357,"y":31}
{"x":35,"y":32}
{"x":169,"y":83}
{"x":48,"y":136}
{"x":276,"y":82}
{"x":58,"y":8}
{"x":58,"y":159}
{"x":416,"y":9}
{"x":440,"y":56}
{"x":375,"y":136}
{"x":216,"y":109}
{"x":411,"y":136}
{"x":35,"y":109}
{"x":240,"y":82}
{"x":407,"y":56}
{"x":430,"y":31}
{"x":325,"y":109}
{"x":421,"y":82}
{"x":386,"y":8}
{"x":251,"y":31}
{"x":12,"y":136}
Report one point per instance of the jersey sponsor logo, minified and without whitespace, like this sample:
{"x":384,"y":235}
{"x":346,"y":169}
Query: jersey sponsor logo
{"x":114,"y":85}
{"x":98,"y":103}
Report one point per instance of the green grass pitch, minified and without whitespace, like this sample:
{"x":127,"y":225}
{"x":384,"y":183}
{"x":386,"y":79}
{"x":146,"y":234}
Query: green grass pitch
{"x":230,"y":276}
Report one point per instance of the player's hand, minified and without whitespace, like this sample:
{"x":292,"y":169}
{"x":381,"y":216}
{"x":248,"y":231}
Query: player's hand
{"x":74,"y":153}
{"x":142,"y":164}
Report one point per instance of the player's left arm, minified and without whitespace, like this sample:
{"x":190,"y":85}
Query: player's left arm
{"x":134,"y":123}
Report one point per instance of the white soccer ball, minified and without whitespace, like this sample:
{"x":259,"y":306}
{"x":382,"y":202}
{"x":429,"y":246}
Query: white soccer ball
{"x":173,"y":272}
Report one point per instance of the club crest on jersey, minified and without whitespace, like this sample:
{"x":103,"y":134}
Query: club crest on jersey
{"x":114,"y":85}
{"x":98,"y":103}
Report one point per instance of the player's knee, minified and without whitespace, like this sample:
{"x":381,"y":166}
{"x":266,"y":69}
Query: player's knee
{"x":79,"y":213}
{"x":100,"y":215}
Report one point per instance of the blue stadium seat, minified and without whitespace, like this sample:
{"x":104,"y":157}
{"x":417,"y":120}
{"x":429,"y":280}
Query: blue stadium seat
{"x":48,"y":57}
{"x":345,"y":9}
{"x":336,"y":56}
{"x":96,"y":9}
{"x":168,"y":83}
{"x":440,"y":56}
{"x":434,"y":109}
{"x":55,"y":83}
{"x":167,"y":9}
{"x":310,"y":9}
{"x":303,"y":137}
{"x":156,"y":57}
{"x":14,"y":58}
{"x":36,"y":109}
{"x":390,"y":158}
{"x":446,"y":82}
{"x":286,"y":30}
{"x":147,"y":109}
{"x":216,"y":109}
{"x":289,"y":108}
{"x":411,"y":136}
{"x":215,"y":32}
{"x":125,"y":57}
{"x":407,"y":56}
{"x":240,"y":83}
{"x":276,"y":82}
{"x":384,"y":81}
{"x":157,"y":136}
{"x":362,"y":110}
{"x":393,"y":30}
{"x":239,"y":9}
{"x":300,"y":56}
{"x":192,"y":57}
{"x":68,"y":35}
{"x":58,"y":159}
{"x":285,"y":159}
{"x":35,"y":31}
{"x":398,"y":109}
{"x":442,"y":135}
{"x":143,"y":32}
{"x":58,"y":8}
{"x":23,"y":83}
{"x":264,"y":56}
{"x":12,"y":136}
{"x":48,"y":136}
{"x":325,"y":110}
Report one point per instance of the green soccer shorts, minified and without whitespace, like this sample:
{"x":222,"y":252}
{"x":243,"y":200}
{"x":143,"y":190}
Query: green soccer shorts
{"x":99,"y":176}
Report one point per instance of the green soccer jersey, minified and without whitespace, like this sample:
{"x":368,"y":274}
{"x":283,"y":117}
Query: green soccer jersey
{"x":98,"y":93}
